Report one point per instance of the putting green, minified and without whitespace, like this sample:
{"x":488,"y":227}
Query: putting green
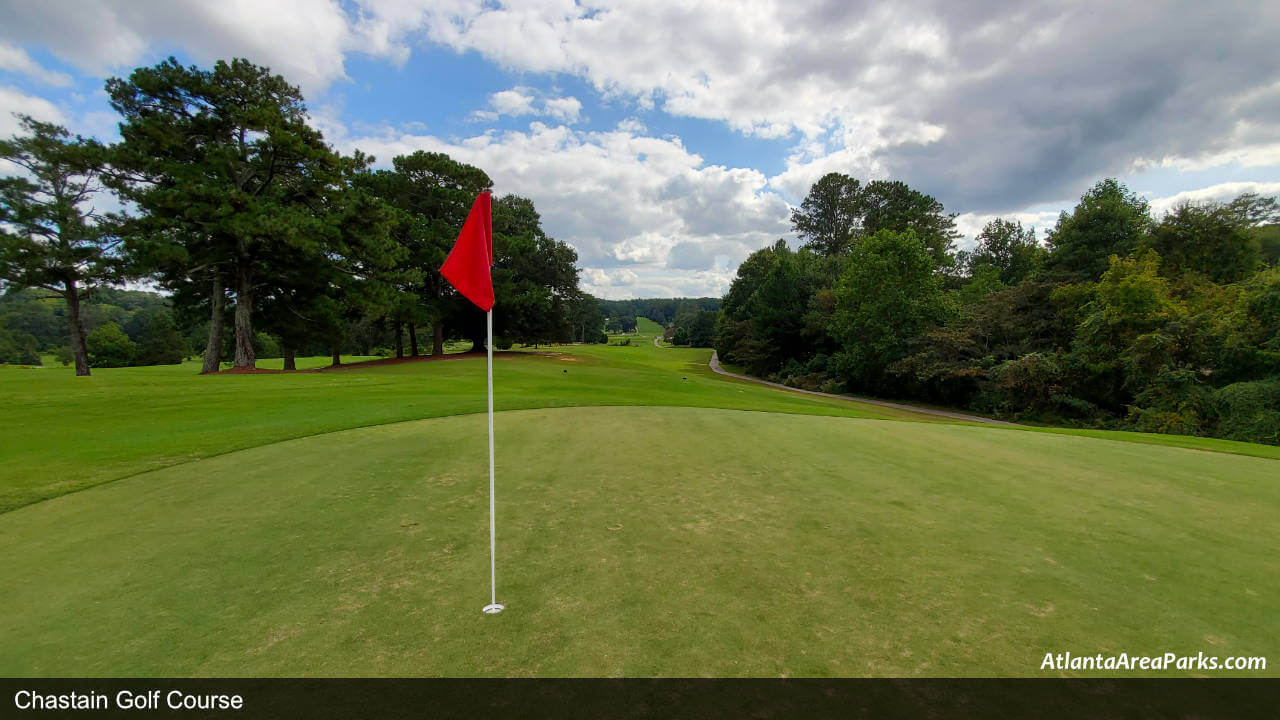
{"x":648,"y":541}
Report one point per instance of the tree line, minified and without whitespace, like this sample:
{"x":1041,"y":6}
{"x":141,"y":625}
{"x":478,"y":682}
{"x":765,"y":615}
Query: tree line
{"x":123,"y":327}
{"x":687,"y":321}
{"x":660,"y":310}
{"x":237,"y":208}
{"x":1116,"y":319}
{"x":134,"y":328}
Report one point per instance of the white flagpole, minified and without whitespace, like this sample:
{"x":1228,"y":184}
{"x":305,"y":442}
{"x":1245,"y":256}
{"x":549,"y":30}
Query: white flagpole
{"x":493,"y":606}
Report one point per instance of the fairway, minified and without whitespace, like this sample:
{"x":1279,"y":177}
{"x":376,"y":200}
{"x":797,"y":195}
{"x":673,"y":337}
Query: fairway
{"x":653,"y":519}
{"x":648,"y":541}
{"x":63,"y":433}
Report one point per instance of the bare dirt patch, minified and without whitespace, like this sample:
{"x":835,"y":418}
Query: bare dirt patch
{"x":403,"y":361}
{"x":253,"y":371}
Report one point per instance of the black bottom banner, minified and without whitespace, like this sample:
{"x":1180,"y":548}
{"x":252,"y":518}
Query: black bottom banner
{"x":484,"y":699}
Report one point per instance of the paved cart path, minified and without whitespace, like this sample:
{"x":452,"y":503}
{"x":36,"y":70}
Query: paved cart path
{"x":715,"y":367}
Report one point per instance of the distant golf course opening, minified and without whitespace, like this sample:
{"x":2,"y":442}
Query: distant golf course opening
{"x":654,"y":519}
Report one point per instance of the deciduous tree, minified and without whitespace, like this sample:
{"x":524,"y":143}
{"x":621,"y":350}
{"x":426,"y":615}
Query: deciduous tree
{"x":1212,"y":240}
{"x":109,"y":347}
{"x":1007,"y":247}
{"x":893,"y":205}
{"x":1108,"y":220}
{"x":888,"y":294}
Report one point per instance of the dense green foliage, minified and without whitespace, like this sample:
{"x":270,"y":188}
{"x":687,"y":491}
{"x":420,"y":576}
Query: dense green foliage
{"x":38,"y":320}
{"x":887,"y":294}
{"x":266,"y":241}
{"x":109,"y":347}
{"x":50,"y":236}
{"x":695,"y":328}
{"x":1005,"y":252}
{"x":235,"y":189}
{"x":18,"y":348}
{"x":660,"y":310}
{"x":1108,"y":220}
{"x":1119,"y":321}
{"x":535,"y":279}
{"x":840,"y":212}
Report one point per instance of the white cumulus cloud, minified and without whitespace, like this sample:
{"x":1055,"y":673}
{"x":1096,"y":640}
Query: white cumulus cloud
{"x":1222,"y":192}
{"x":15,"y":102}
{"x":304,"y":40}
{"x":624,"y":200}
{"x":15,"y":59}
{"x":519,"y":101}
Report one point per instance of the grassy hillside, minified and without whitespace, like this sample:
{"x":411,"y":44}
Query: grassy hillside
{"x":654,"y":519}
{"x":645,"y":326}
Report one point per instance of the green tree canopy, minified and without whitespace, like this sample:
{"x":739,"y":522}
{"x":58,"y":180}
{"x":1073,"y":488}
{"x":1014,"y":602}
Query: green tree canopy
{"x":839,"y":212}
{"x":1109,"y":220}
{"x":1007,"y":247}
{"x":695,"y":328}
{"x":887,"y":294}
{"x":50,"y":235}
{"x":17,"y":347}
{"x":892,"y":205}
{"x":1210,"y":239}
{"x":830,"y":214}
{"x":432,"y":194}
{"x":226,"y":172}
{"x":109,"y":347}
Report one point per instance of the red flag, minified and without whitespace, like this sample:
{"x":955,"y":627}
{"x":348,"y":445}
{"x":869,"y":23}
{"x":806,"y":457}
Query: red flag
{"x":467,"y":267}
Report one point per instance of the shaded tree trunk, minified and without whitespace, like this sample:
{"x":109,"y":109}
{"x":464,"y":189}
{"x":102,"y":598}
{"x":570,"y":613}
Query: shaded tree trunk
{"x":337,"y":356}
{"x":290,"y":363}
{"x":213,"y":349}
{"x":437,"y":338}
{"x":399,"y":340}
{"x":413,"y":340}
{"x":77,"y":328}
{"x":244,"y":314}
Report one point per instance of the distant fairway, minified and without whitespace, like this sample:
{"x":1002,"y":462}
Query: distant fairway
{"x":725,"y":529}
{"x":64,"y":433}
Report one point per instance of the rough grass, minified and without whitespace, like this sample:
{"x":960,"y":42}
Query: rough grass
{"x":649,"y":541}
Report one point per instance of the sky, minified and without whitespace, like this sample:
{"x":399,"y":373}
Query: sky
{"x":666,"y":141}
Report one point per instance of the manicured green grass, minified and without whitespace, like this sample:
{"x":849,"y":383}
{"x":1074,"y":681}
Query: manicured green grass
{"x":649,"y":541}
{"x":1234,"y":447}
{"x":645,"y":326}
{"x":64,"y":433}
{"x":292,"y":524}
{"x":303,"y":363}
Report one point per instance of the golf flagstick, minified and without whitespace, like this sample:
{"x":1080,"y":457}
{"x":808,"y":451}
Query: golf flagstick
{"x":467,"y":269}
{"x":493,"y":606}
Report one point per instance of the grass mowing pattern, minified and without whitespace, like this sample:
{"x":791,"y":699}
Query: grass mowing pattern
{"x":649,"y":541}
{"x":64,"y":433}
{"x":671,"y":540}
